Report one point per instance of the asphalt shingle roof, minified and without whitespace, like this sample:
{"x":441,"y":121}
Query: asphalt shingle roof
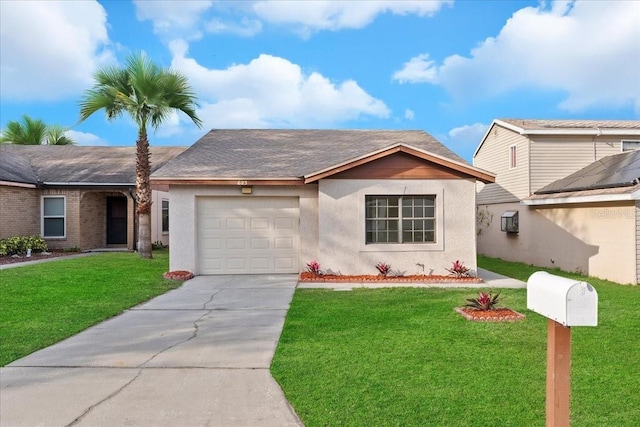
{"x":278,"y":153}
{"x":76,"y":164}
{"x":528,"y":124}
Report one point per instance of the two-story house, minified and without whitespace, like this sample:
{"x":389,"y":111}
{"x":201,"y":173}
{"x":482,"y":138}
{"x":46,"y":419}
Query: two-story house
{"x":566,"y":195}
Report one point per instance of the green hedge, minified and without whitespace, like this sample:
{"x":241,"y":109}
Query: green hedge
{"x":18,"y":245}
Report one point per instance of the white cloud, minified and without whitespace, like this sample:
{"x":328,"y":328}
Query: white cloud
{"x":173,"y":17}
{"x":309,"y":16}
{"x":409,"y":114}
{"x":273,"y":92}
{"x":67,"y":39}
{"x":467,"y":134}
{"x":245,"y":28}
{"x":589,"y":50}
{"x":417,"y":70}
{"x":85,"y":138}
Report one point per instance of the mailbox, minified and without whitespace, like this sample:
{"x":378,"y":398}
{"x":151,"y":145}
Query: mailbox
{"x":567,"y":301}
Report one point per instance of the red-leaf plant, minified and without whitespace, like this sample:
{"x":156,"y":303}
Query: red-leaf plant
{"x":383,"y":268}
{"x":484,"y":301}
{"x":459,"y":270}
{"x":314,"y":268}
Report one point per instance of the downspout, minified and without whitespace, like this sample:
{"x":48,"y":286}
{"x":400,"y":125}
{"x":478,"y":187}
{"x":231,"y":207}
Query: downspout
{"x":593,"y":141}
{"x":135,"y":221}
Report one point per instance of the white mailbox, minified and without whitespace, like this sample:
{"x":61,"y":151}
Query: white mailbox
{"x":567,"y":301}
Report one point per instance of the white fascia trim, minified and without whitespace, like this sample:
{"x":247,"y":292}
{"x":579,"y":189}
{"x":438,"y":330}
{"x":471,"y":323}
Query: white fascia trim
{"x":92,"y":184}
{"x":209,"y":178}
{"x":583,"y":199}
{"x":486,"y":134}
{"x":17,"y":184}
{"x":590,"y":132}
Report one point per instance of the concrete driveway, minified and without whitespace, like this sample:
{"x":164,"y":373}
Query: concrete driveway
{"x":195,"y":356}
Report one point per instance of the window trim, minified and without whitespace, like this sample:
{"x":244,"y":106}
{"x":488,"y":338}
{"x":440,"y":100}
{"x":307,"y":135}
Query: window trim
{"x":513,"y":156}
{"x":162,"y":209}
{"x":399,"y":220}
{"x":63,"y":216}
{"x":436,"y":191}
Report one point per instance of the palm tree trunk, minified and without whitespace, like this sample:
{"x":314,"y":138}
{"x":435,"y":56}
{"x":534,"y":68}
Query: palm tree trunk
{"x":143,"y":193}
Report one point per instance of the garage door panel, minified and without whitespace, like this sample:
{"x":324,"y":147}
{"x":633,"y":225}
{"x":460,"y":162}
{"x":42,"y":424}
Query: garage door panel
{"x":248,"y":235}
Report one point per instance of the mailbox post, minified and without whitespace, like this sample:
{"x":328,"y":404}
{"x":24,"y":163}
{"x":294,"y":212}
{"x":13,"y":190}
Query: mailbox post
{"x":565,"y":303}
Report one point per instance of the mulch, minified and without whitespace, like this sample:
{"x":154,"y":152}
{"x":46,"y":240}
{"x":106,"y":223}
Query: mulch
{"x":310,"y":277}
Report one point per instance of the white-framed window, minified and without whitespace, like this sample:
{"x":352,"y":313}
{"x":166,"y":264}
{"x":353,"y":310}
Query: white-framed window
{"x":400,"y":219}
{"x":630,"y":145}
{"x":54,"y":217}
{"x":165,"y":216}
{"x":513,"y":156}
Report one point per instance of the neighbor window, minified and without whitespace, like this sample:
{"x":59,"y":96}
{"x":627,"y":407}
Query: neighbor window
{"x":165,"y":216}
{"x":400,"y":219}
{"x":630,"y":145}
{"x":513,"y":156}
{"x":53,"y":217}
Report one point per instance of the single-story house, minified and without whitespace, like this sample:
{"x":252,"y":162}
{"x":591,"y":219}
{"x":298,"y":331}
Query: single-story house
{"x":77,"y":196}
{"x":270,"y":201}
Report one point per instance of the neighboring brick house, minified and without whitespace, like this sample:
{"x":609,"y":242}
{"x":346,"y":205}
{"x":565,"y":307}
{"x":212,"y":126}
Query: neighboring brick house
{"x":77,"y":196}
{"x":566,"y":195}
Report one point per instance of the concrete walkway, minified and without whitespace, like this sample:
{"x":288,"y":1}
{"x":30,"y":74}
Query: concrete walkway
{"x":195,"y":356}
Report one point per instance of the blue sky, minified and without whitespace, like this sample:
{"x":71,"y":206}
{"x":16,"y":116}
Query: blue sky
{"x":446,"y":67}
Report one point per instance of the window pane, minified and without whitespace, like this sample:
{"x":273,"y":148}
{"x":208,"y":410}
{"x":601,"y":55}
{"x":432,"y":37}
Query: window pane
{"x":53,"y":206}
{"x":429,"y":236}
{"x":165,"y":216}
{"x":393,"y":212}
{"x":429,"y":212}
{"x":393,"y":237}
{"x":53,"y":227}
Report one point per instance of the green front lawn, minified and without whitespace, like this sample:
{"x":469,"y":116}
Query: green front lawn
{"x":404,"y":357}
{"x":45,"y":303}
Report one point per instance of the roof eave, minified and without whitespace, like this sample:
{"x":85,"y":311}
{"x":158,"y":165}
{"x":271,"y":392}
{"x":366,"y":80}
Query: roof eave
{"x":582,"y":199}
{"x":472,"y":171}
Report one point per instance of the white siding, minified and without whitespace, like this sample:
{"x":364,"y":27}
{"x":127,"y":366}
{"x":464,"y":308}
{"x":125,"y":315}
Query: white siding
{"x":556,"y":157}
{"x":511,"y":184}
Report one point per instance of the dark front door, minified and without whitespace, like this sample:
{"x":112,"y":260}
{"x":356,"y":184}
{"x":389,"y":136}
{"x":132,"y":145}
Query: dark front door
{"x":116,"y":220}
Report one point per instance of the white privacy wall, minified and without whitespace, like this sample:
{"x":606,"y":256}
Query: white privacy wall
{"x":342,"y":245}
{"x":183,"y":219}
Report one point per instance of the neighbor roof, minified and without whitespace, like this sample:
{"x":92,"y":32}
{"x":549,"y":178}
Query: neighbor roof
{"x":76,"y":165}
{"x":615,"y":177}
{"x":618,"y":170}
{"x":260,"y":154}
{"x":566,"y":127}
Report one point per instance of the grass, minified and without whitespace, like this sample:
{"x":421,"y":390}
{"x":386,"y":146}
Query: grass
{"x":403,"y":357}
{"x":45,"y":303}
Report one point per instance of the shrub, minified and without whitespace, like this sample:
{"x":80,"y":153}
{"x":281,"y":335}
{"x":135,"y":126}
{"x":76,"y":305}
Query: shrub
{"x":383,"y":268}
{"x":18,"y":245}
{"x":484,"y":301}
{"x":313,"y":267}
{"x":459,"y":270}
{"x":157,"y":245}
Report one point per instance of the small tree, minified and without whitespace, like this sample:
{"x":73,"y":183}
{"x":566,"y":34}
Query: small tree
{"x":148,"y":94}
{"x":30,"y":131}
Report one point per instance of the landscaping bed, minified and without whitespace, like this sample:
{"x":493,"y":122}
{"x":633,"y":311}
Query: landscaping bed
{"x":310,"y":277}
{"x":493,"y":315}
{"x":10,"y":259}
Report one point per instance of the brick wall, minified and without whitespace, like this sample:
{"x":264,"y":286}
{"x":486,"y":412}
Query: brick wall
{"x":73,"y":235}
{"x":19,"y":212}
{"x":93,"y":220}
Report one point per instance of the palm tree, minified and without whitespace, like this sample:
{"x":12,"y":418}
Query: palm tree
{"x":34,"y":132}
{"x":148,"y":94}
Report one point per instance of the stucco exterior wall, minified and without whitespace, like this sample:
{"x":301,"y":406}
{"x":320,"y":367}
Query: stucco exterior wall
{"x":156,"y":217}
{"x":342,"y":245}
{"x":19,"y":212}
{"x":183,"y":226}
{"x":594,"y":239}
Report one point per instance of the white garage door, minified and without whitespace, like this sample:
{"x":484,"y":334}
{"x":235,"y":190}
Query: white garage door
{"x":248,"y":235}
